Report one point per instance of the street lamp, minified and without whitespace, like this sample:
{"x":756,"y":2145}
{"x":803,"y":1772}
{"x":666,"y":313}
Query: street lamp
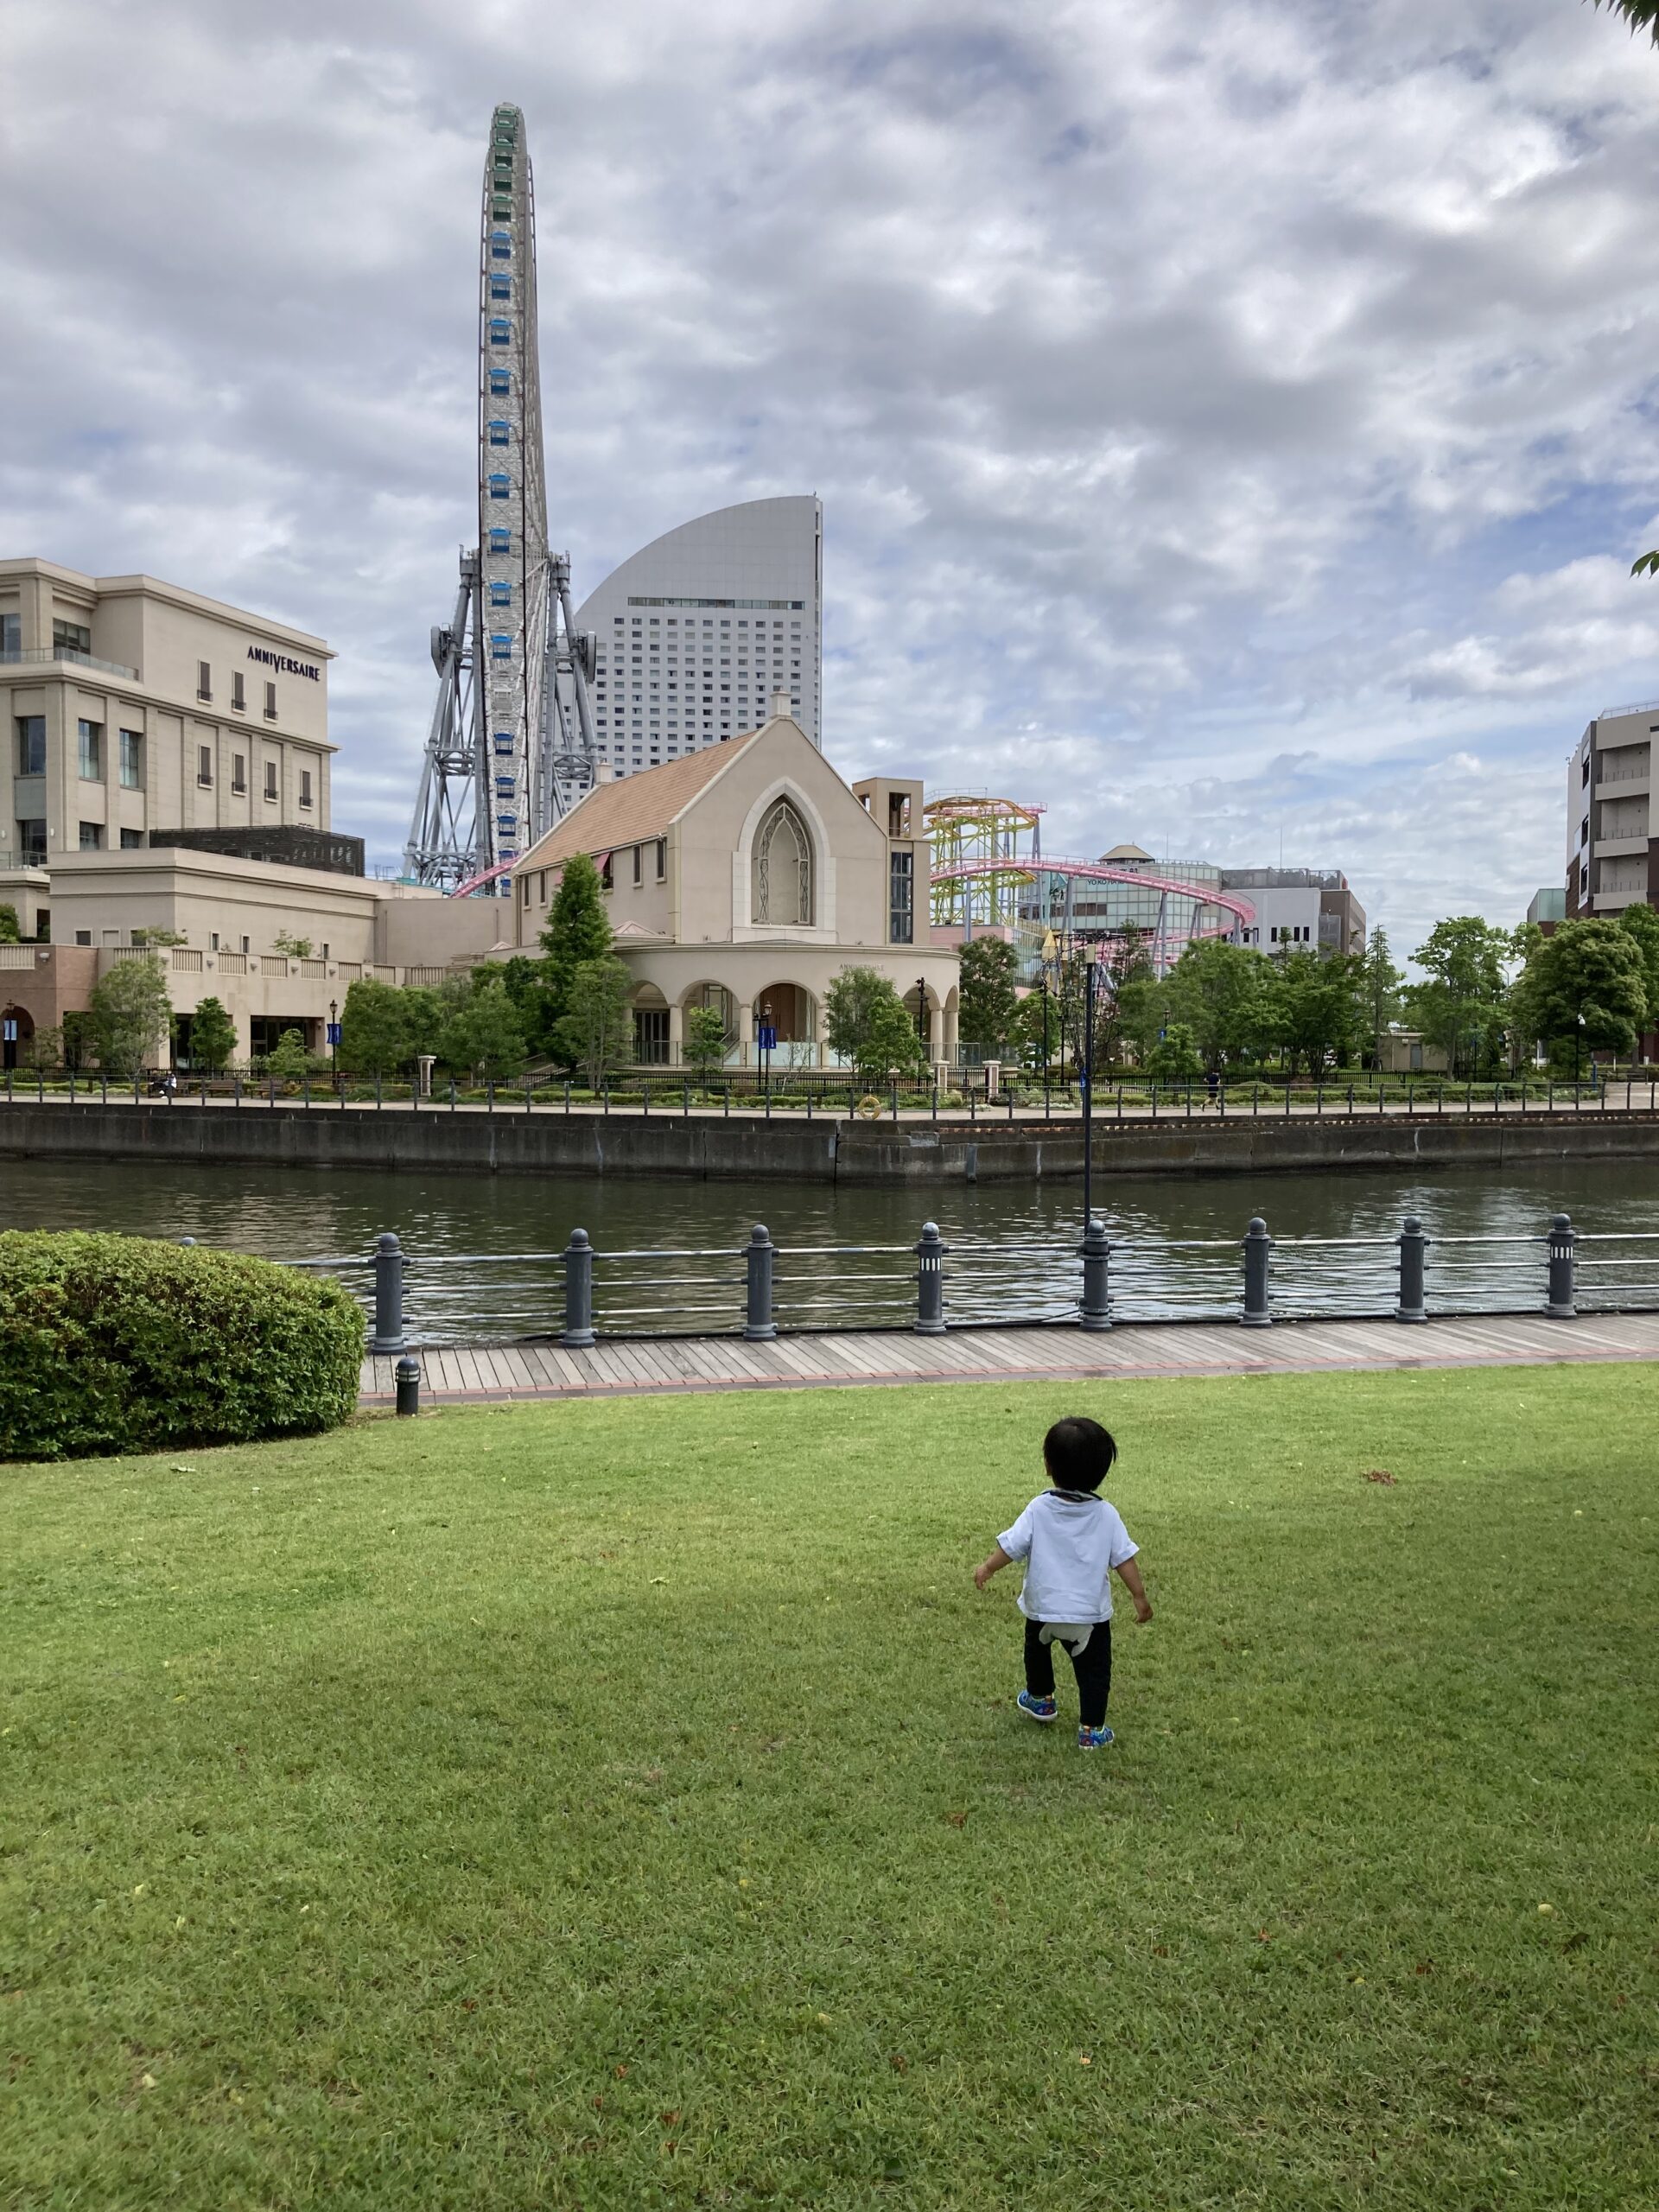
{"x":1086,"y":1078}
{"x":768,"y":1038}
{"x":333,"y":1040}
{"x":1042,"y":1001}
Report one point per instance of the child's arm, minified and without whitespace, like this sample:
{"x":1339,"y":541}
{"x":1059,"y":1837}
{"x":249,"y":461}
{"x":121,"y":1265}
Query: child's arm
{"x":994,"y":1565}
{"x":1129,"y":1575}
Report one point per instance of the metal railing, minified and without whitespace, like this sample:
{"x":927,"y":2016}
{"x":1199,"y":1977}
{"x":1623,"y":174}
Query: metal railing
{"x":685,"y":1097}
{"x":759,"y":1289}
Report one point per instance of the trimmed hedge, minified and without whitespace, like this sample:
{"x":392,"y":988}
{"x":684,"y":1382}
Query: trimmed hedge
{"x":119,"y":1344}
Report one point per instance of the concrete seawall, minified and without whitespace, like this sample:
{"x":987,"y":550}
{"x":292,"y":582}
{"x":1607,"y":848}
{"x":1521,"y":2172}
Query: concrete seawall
{"x":796,"y":1151}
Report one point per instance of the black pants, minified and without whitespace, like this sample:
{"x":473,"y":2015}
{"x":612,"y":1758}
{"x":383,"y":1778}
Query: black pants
{"x":1092,"y":1666}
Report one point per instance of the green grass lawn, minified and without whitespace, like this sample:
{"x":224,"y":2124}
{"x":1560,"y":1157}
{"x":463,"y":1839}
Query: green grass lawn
{"x":624,"y":1805}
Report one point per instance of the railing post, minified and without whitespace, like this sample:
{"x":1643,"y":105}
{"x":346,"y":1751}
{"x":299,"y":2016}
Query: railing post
{"x":1563,"y":1236}
{"x":1257,"y":1245}
{"x":930,"y":1283}
{"x":1095,"y":1308}
{"x":758,"y":1323}
{"x":388,"y":1295}
{"x":1413,"y":1246}
{"x":408,"y":1372}
{"x":578,"y":1332}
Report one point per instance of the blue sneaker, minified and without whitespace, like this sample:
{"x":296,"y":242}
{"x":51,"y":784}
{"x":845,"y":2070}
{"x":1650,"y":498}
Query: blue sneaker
{"x":1036,"y":1708}
{"x":1094,"y":1740}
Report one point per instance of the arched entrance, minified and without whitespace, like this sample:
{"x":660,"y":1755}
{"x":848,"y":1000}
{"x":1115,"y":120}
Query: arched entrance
{"x":17,"y":1031}
{"x":794,"y":1016}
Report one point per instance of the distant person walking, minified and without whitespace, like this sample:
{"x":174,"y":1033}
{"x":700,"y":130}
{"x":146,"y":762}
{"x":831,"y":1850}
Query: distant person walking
{"x":1072,"y":1541}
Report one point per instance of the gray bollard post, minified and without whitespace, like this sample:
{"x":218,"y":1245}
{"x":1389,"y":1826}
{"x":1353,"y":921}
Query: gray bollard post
{"x":930,"y":1281}
{"x":1257,"y":1244}
{"x":1094,"y":1309}
{"x":758,"y":1323}
{"x":578,"y":1332}
{"x":1414,"y":1244}
{"x":388,"y":1295}
{"x":1563,"y":1236}
{"x":409,"y":1387}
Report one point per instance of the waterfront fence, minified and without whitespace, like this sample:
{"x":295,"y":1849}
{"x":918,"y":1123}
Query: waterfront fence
{"x":808,"y":1096}
{"x":759,"y":1289}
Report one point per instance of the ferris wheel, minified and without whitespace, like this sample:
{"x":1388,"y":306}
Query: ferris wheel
{"x":511,"y":745}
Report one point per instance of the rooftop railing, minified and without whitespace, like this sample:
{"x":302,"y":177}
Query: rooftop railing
{"x":36,"y":653}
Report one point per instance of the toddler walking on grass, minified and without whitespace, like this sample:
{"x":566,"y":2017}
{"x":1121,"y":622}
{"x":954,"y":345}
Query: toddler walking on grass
{"x":1072,"y":1541}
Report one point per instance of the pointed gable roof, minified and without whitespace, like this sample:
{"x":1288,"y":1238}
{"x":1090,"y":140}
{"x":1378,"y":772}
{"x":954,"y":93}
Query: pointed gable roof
{"x":634,"y":809}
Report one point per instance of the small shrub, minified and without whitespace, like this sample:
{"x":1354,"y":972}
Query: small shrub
{"x":119,"y":1344}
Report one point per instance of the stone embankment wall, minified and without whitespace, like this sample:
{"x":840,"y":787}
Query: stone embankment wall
{"x":795,"y":1150}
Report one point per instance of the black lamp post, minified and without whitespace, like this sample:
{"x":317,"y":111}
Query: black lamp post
{"x":1042,"y":1001}
{"x":1086,"y":1077}
{"x":333,"y":1040}
{"x":766,"y":1034}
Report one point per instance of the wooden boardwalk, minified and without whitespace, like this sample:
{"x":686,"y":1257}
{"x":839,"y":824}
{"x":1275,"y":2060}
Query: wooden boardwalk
{"x":620,"y":1367}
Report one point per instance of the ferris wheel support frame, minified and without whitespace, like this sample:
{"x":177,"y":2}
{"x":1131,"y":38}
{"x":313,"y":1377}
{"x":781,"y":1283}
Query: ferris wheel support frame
{"x":512,"y":745}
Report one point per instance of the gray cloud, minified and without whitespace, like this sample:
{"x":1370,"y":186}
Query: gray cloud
{"x":1222,"y":434}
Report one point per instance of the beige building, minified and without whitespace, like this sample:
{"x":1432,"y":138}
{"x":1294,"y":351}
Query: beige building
{"x":277,"y":947}
{"x":131,"y":706}
{"x":747,"y":877}
{"x":1612,"y":840}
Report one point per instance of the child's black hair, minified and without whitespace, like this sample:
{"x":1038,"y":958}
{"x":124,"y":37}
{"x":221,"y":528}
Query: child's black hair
{"x":1078,"y":1453}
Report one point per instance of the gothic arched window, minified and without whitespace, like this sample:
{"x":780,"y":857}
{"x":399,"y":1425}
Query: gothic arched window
{"x":781,"y":872}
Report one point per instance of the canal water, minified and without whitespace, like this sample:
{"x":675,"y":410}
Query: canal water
{"x":483,"y":1248}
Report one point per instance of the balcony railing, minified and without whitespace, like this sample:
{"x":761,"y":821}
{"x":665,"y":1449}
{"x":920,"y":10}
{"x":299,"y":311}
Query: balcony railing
{"x":36,"y":653}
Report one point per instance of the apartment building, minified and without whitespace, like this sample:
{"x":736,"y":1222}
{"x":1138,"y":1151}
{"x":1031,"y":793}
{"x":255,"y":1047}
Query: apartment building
{"x":1612,"y":860}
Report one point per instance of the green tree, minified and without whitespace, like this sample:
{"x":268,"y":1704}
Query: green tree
{"x":1641,"y":922}
{"x":290,"y":1060}
{"x":1035,"y":1050}
{"x":578,"y":931}
{"x":990,"y":1004}
{"x":1461,"y":1003}
{"x":1312,"y":1009}
{"x":1583,"y":989}
{"x":212,"y":1036}
{"x":594,"y":1032}
{"x":1218,"y":992}
{"x":484,"y":1033}
{"x":159,"y":939}
{"x":291,"y":947}
{"x":1175,"y":1058}
{"x":374,"y":1028}
{"x":868,"y":1023}
{"x":704,"y":1045}
{"x":1640,"y":15}
{"x":10,"y":931}
{"x":44,"y":1050}
{"x":131,"y":1014}
{"x":1379,"y":984}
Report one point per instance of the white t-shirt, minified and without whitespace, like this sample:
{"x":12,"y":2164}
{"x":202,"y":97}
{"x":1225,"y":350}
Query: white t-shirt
{"x":1069,"y":1545}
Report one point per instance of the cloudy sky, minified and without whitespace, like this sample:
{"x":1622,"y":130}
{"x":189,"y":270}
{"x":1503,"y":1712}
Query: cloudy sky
{"x":1235,"y":423}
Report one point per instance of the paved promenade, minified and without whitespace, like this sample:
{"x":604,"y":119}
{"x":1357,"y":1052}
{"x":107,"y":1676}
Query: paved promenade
{"x":623,"y":1367}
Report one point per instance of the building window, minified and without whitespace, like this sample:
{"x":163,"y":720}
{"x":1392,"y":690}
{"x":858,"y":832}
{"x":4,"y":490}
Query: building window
{"x":131,"y":841}
{"x":132,"y":760}
{"x":781,"y":869}
{"x":11,"y":637}
{"x":270,"y":779}
{"x":204,"y":765}
{"x":901,"y":907}
{"x":270,"y":702}
{"x":90,"y":744}
{"x":204,"y":680}
{"x":91,"y":837}
{"x":662,"y":859}
{"x":31,"y":745}
{"x":82,"y":937}
{"x":239,"y":689}
{"x":71,"y":638}
{"x":305,"y":787}
{"x":638,"y":863}
{"x":1584,"y":778}
{"x":31,"y":840}
{"x":240,"y":774}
